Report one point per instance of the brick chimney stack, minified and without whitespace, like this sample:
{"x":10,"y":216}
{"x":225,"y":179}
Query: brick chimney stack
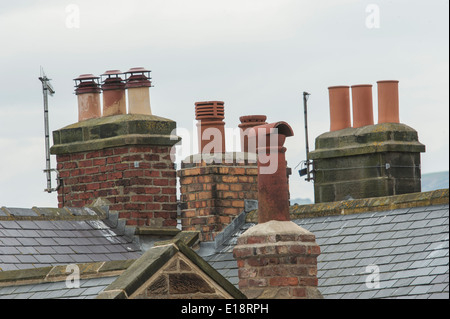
{"x":122,"y":159}
{"x":277,"y":259}
{"x":367,"y":160}
{"x":214,"y":184}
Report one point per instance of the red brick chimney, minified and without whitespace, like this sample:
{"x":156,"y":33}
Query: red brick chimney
{"x":124,"y":160}
{"x":214,"y":184}
{"x":277,"y":259}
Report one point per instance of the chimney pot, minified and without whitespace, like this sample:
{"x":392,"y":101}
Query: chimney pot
{"x":138,"y":84}
{"x":88,"y":93}
{"x":273,"y":188}
{"x":339,"y":107}
{"x":247,"y":123}
{"x":210,"y":115}
{"x":113,"y":87}
{"x":362,"y":105}
{"x":388,"y":102}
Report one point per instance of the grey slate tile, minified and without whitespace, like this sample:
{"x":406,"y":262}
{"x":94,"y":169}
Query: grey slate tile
{"x":439,"y":296}
{"x":419,"y":290}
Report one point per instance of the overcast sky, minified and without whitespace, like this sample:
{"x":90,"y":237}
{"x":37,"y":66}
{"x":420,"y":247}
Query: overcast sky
{"x":257,"y":56}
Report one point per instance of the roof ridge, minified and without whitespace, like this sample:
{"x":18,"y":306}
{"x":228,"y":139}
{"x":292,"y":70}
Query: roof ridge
{"x":355,"y":206}
{"x":51,"y":213}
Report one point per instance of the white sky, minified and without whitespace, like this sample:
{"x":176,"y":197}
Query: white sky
{"x":257,"y":56}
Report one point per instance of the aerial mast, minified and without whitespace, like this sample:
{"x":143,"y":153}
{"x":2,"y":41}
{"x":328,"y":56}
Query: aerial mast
{"x":47,"y":89}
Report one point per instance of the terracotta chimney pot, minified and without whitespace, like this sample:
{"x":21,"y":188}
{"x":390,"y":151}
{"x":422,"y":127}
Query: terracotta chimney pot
{"x":362,"y":105}
{"x":388,"y":102}
{"x":247,"y":123}
{"x":273,"y":188}
{"x":114,"y":99}
{"x":339,"y":107}
{"x":210,"y":126}
{"x":88,"y":94}
{"x":138,"y":84}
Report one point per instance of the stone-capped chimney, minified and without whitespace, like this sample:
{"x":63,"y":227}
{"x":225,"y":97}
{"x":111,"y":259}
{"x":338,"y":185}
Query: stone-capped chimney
{"x":124,"y":160}
{"x":368,"y":160}
{"x":277,"y":259}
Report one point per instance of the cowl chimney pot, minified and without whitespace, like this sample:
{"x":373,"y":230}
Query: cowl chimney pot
{"x":114,"y":99}
{"x":88,"y":93}
{"x":210,"y":126}
{"x":138,"y":84}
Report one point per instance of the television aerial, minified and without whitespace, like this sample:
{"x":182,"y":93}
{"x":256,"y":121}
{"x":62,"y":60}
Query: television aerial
{"x":47,"y":89}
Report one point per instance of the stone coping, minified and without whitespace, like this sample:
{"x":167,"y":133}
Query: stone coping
{"x":48,"y":213}
{"x":385,"y":137}
{"x":151,"y":261}
{"x":114,"y":131}
{"x":60,"y":273}
{"x":436,"y":197}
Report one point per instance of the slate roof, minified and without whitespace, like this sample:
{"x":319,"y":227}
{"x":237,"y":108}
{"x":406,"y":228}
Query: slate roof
{"x":41,"y":237}
{"x":409,"y":247}
{"x":407,"y":242}
{"x":89,"y":289}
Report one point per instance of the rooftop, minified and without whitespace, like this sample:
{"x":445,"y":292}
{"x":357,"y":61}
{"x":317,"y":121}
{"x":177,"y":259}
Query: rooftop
{"x":391,"y":247}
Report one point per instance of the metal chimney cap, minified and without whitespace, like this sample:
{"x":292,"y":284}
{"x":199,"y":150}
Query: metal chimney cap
{"x":112,"y":72}
{"x":86,"y":77}
{"x":137,"y":70}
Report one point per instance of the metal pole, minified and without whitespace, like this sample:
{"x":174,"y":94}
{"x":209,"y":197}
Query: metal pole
{"x":308,"y":162}
{"x":46,"y":127}
{"x":305,"y":104}
{"x":45,"y":90}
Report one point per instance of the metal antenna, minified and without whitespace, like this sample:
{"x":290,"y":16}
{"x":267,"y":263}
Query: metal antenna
{"x":47,"y":89}
{"x":307,"y":170}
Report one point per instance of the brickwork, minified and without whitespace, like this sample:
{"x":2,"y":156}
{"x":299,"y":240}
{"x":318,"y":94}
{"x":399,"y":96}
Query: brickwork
{"x":137,"y":181}
{"x":213,"y":194}
{"x":278,"y":260}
